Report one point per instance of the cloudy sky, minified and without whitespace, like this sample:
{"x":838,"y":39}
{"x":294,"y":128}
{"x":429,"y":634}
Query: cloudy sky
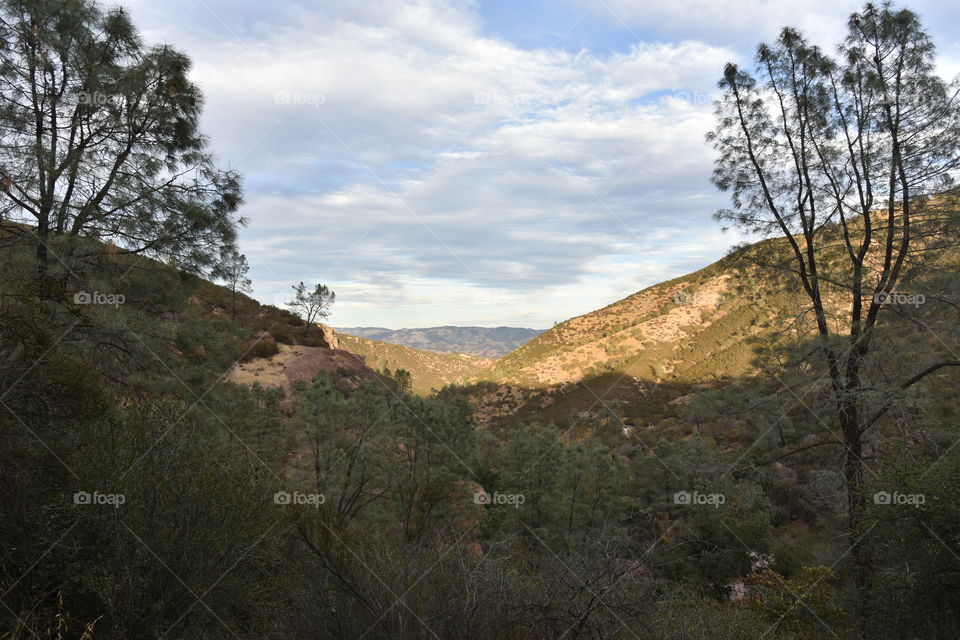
{"x":486,"y":162}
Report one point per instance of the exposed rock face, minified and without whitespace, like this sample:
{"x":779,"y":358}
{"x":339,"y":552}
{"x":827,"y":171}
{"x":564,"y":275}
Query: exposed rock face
{"x":329,"y":336}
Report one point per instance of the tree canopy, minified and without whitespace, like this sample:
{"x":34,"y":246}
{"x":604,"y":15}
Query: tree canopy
{"x":101,"y":137}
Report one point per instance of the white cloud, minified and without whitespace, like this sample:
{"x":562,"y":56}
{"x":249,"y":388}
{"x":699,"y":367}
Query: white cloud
{"x":744,"y":23}
{"x":431,"y":174}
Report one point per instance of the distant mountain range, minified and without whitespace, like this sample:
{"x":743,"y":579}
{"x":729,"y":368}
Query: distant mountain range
{"x":484,"y":342}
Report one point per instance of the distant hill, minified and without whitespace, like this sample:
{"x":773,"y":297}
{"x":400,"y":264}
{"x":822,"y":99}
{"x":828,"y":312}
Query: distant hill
{"x":429,"y":369}
{"x":483,"y":342}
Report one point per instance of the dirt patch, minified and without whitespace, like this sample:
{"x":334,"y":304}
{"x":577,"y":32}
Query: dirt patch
{"x":294,"y":363}
{"x":307,"y":364}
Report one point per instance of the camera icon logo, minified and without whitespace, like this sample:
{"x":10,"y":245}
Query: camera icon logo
{"x":882,"y":497}
{"x":82,"y":497}
{"x":281,"y":300}
{"x":82,"y":297}
{"x":481,"y":497}
{"x":682,"y":497}
{"x":282,"y":497}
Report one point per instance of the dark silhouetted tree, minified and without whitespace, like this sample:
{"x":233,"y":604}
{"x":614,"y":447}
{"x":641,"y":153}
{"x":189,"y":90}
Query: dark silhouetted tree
{"x":312,"y":305}
{"x":850,"y":161}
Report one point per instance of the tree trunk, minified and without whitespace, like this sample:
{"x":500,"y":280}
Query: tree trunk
{"x":43,"y":258}
{"x":856,"y":501}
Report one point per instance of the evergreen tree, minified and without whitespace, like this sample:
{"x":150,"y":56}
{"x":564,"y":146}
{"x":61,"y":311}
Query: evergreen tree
{"x":101,"y":137}
{"x":849,"y":160}
{"x":233,"y":269}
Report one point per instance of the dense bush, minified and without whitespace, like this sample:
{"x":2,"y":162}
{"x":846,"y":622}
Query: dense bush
{"x":262,"y":349}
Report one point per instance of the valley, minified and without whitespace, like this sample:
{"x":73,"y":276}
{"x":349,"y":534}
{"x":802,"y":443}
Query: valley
{"x":758,"y":439}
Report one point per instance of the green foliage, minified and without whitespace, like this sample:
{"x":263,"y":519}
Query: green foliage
{"x":113,"y":108}
{"x":262,"y":349}
{"x":422,"y":523}
{"x":912,"y":529}
{"x":805,"y":606}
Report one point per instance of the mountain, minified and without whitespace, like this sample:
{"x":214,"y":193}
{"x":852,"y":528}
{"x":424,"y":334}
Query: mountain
{"x":692,"y":328}
{"x":484,"y":342}
{"x":644,"y":350}
{"x":643,"y":355}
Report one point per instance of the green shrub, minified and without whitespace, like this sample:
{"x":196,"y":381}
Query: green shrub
{"x":282,"y":335}
{"x":262,"y":349}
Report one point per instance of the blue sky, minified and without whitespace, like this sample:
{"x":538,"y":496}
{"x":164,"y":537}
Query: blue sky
{"x":498,"y":162}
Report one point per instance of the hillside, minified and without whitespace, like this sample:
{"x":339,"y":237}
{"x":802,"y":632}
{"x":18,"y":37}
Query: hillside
{"x":642,"y":355}
{"x":697,"y":329}
{"x":690,"y":329}
{"x":299,"y":356}
{"x":429,"y":369}
{"x":618,"y":382}
{"x":483,"y":342}
{"x":272,"y":344}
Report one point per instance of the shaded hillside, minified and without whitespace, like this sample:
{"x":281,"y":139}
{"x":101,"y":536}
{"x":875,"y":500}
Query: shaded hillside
{"x":483,"y":342}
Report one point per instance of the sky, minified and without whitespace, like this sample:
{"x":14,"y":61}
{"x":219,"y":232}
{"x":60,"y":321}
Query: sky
{"x":478,"y":162}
